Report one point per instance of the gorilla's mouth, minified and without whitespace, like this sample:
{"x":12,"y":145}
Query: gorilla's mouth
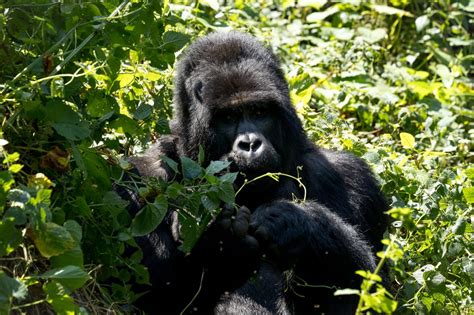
{"x":249,"y":169}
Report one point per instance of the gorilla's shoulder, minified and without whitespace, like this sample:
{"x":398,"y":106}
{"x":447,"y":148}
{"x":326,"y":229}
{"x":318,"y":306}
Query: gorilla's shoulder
{"x":345,"y":162}
{"x":336,"y":168}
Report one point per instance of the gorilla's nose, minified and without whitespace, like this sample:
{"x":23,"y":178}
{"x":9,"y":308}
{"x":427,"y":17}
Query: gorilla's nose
{"x":248,"y":143}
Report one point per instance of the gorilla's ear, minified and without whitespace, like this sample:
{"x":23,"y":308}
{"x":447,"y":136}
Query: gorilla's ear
{"x":198,"y":91}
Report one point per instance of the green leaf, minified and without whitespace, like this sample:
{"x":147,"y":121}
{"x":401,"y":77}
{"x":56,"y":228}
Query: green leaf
{"x":73,"y":257}
{"x":470,"y":173}
{"x":112,"y":198}
{"x":73,"y":132}
{"x":173,"y":41}
{"x":384,"y":9}
{"x":320,"y":16}
{"x":100,"y":104}
{"x":142,"y":112}
{"x":445,"y":74}
{"x":421,"y":88}
{"x":209,"y":203}
{"x":317,"y":4}
{"x":191,"y":169}
{"x":190,"y":232}
{"x":229,"y":177}
{"x":66,"y":121}
{"x":125,"y":79}
{"x":408,"y":141}
{"x":343,"y":33}
{"x":74,"y":229}
{"x":172,"y":164}
{"x":97,"y":169}
{"x":10,"y":288}
{"x":52,"y":239}
{"x":10,"y":236}
{"x":419,"y":273}
{"x":71,"y":277}
{"x":148,"y":219}
{"x":56,"y":296}
{"x":369,"y":275}
{"x":372,"y":36}
{"x":421,"y":22}
{"x":436,"y":280}
{"x":226,"y":192}
{"x":468,"y":193}
{"x":11,"y":158}
{"x":213,"y":4}
{"x":15,"y":168}
{"x":125,"y":125}
{"x":216,"y":167}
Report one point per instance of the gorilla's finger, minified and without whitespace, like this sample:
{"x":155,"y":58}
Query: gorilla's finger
{"x":240,"y":226}
{"x":225,"y":223}
{"x":244,"y":211}
{"x":262,"y":234}
{"x":227,"y":211}
{"x":251,"y":243}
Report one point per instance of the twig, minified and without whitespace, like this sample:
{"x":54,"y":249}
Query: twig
{"x":195,"y":295}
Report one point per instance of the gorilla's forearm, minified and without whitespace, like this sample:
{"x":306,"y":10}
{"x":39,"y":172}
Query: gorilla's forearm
{"x":295,"y":234}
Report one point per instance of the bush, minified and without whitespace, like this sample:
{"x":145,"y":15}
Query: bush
{"x":84,"y":85}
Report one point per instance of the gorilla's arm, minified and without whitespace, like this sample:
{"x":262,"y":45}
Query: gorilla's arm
{"x":295,"y":233}
{"x":322,"y":250}
{"x":150,"y":164}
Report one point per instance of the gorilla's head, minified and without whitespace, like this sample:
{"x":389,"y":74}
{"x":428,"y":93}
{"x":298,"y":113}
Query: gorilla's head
{"x":231,"y":97}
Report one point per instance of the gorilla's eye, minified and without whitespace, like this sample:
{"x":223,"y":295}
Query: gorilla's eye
{"x":259,"y":112}
{"x":198,"y":91}
{"x":227,"y":116}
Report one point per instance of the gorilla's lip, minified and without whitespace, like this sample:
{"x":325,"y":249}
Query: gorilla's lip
{"x":248,"y":172}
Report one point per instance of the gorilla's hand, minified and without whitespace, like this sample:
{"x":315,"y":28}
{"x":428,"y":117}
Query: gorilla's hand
{"x":237,"y":223}
{"x":228,"y":236}
{"x":282,"y":229}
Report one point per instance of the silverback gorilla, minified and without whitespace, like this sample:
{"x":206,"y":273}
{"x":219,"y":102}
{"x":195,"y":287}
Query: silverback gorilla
{"x":272,"y":255}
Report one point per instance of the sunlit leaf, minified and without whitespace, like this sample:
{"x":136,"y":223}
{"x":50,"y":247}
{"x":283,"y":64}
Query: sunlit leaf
{"x":214,"y":4}
{"x":52,"y":239}
{"x":383,"y":9}
{"x":125,"y":79}
{"x":468,"y":193}
{"x":72,"y":277}
{"x":408,"y":141}
{"x":421,"y":22}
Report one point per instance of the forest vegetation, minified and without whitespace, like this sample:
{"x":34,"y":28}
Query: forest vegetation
{"x":85,"y":84}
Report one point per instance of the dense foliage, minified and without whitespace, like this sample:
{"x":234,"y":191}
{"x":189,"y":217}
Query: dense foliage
{"x":85,"y":84}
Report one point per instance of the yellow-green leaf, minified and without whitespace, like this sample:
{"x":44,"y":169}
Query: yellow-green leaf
{"x":125,"y":79}
{"x":52,"y":240}
{"x":468,"y":193}
{"x":408,"y":141}
{"x":213,"y":4}
{"x":15,"y":168}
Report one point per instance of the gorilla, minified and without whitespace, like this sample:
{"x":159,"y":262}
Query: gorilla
{"x":272,"y":254}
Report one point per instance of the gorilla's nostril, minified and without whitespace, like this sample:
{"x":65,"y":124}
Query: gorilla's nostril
{"x":244,"y":145}
{"x":255,"y":145}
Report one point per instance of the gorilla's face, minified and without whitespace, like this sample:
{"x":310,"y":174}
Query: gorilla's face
{"x":249,"y":136}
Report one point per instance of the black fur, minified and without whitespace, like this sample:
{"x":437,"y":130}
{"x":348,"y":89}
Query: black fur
{"x":273,"y":255}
